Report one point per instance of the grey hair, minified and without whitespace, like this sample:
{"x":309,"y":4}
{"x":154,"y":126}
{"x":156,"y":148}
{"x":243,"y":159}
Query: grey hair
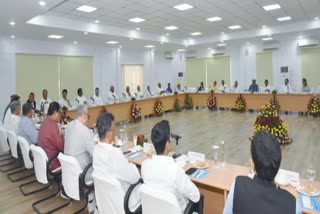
{"x":14,"y":105}
{"x":81,"y":109}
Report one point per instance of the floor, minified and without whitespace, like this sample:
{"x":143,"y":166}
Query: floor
{"x":200,"y":129}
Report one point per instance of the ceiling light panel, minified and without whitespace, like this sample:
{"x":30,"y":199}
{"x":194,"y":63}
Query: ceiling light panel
{"x":112,"y":42}
{"x":286,"y":18}
{"x":196,"y":34}
{"x":136,"y":20}
{"x":271,"y":7}
{"x":86,"y":8}
{"x":214,"y":19}
{"x":171,"y":28}
{"x":55,"y":37}
{"x":234,"y":27}
{"x":183,"y":7}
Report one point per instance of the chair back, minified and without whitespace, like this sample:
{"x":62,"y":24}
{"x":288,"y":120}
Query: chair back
{"x":71,"y":171}
{"x":40,"y":160}
{"x":158,"y":202}
{"x":109,"y":195}
{"x":13,"y":142}
{"x":25,"y":149}
{"x":4,"y":147}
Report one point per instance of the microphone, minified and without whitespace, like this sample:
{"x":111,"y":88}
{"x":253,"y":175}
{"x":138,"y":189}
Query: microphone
{"x":92,"y":99}
{"x":175,"y":136}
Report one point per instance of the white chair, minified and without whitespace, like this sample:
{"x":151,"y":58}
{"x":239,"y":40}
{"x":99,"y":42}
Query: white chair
{"x":45,"y":176}
{"x":73,"y":179}
{"x":25,"y":149}
{"x":158,"y":202}
{"x":13,"y":143}
{"x":4,"y":147}
{"x":109,"y":195}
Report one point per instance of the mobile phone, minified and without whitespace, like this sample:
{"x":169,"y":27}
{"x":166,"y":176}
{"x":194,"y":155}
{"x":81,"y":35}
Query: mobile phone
{"x":190,"y":171}
{"x":127,"y":152}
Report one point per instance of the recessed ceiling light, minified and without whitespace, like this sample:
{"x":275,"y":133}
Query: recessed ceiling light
{"x":264,"y":26}
{"x":162,"y":42}
{"x":86,"y":8}
{"x":167,"y":34}
{"x":222,"y":33}
{"x":120,"y":46}
{"x":13,"y":36}
{"x":234,"y":27}
{"x":195,"y":33}
{"x":171,"y":28}
{"x":300,"y":37}
{"x":183,"y":7}
{"x":316,"y":18}
{"x":75,"y":42}
{"x":222,"y":41}
{"x":12,"y":23}
{"x":271,"y":7}
{"x":267,"y":39}
{"x":136,"y":20}
{"x":180,"y":50}
{"x":286,"y":18}
{"x":138,"y":28}
{"x":221,"y":44}
{"x":112,"y":42}
{"x":42,"y":3}
{"x":149,"y":46}
{"x":97,"y":21}
{"x":214,"y":19}
{"x":86,"y":33}
{"x":55,"y":36}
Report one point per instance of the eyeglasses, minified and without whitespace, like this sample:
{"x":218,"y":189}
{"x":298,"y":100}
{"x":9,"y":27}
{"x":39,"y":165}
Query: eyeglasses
{"x":88,"y":116}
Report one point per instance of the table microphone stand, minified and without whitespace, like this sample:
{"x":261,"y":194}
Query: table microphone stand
{"x":176,"y":154}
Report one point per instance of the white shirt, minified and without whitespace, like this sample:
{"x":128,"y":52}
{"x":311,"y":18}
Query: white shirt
{"x":44,"y":105}
{"x":13,"y":123}
{"x":285,"y":89}
{"x":112,"y":97}
{"x":223,"y":88}
{"x":81,"y":100}
{"x":97,"y":100}
{"x":149,"y":93}
{"x":265,"y":88}
{"x":139,"y":94}
{"x":109,"y":161}
{"x":236,"y":90}
{"x":160,"y":90}
{"x":78,"y":142}
{"x":65,"y":103}
{"x":161,"y":172}
{"x":7,"y":117}
{"x":127,"y":96}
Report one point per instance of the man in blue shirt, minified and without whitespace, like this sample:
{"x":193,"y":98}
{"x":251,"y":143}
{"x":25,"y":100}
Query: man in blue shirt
{"x":254,"y":87}
{"x":26,"y":127}
{"x":169,"y":90}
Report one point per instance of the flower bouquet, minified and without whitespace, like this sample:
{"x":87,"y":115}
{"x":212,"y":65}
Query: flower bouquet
{"x":212,"y":103}
{"x":314,"y":106}
{"x":158,"y":107}
{"x":269,"y":121}
{"x":274,"y":101}
{"x":177,"y":105}
{"x":240,"y":104}
{"x":188,"y":104}
{"x":135,"y":112}
{"x":141,"y":140}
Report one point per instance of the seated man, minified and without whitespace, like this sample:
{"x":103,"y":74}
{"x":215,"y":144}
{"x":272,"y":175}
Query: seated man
{"x":32,"y":101}
{"x":161,"y":171}
{"x":97,"y":100}
{"x":149,"y":93}
{"x":223,"y":88}
{"x":286,"y":88}
{"x":127,"y":95}
{"x":81,"y":100}
{"x":109,"y":161}
{"x":260,"y":194}
{"x":214,"y":87}
{"x":236,"y":88}
{"x":201,"y":87}
{"x":64,"y":101}
{"x":139,"y":94}
{"x":26,"y":126}
{"x":112,"y":97}
{"x":267,"y":88}
{"x":160,"y":89}
{"x":254,"y":88}
{"x":44,"y":102}
{"x":7,"y":111}
{"x":305,"y":88}
{"x":50,"y":138}
{"x":78,"y":141}
{"x":13,"y":123}
{"x":169,"y":90}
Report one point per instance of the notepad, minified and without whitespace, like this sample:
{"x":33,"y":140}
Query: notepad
{"x":136,"y":155}
{"x":309,"y":202}
{"x":200,"y":173}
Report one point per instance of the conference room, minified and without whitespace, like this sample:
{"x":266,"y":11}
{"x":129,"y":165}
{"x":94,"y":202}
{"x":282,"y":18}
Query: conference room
{"x":159,"y":106}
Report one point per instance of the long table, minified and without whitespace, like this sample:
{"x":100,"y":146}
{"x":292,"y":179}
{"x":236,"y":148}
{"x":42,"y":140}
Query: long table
{"x":121,"y":110}
{"x":216,"y":184}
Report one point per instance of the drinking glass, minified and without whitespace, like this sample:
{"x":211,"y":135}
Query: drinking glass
{"x":216,"y":151}
{"x":311,"y":173}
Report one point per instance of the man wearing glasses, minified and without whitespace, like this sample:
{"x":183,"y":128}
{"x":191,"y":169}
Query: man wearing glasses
{"x":78,"y":138}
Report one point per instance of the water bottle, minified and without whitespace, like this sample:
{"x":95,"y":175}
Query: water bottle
{"x":222,"y":155}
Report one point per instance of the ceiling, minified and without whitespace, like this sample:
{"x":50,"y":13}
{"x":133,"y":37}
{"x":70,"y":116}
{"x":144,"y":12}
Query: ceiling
{"x":61,"y":17}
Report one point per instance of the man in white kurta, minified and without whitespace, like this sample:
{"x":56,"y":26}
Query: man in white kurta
{"x":139,"y":94}
{"x":160,"y":89}
{"x":267,"y":88}
{"x":44,"y":102}
{"x":286,"y":88}
{"x":109,"y":161}
{"x":97,"y":100}
{"x":149,"y":93}
{"x":64,"y":101}
{"x":112,"y":96}
{"x":80,"y":98}
{"x":13,"y":122}
{"x":223,"y":88}
{"x":161,"y":171}
{"x":78,"y":141}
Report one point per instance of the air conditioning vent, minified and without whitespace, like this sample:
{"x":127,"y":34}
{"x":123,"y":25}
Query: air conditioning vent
{"x":308,"y":43}
{"x":191,"y":54}
{"x":270,"y":46}
{"x":168,"y":55}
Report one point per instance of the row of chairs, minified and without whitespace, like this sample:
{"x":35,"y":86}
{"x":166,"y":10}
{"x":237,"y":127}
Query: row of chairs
{"x":109,"y":194}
